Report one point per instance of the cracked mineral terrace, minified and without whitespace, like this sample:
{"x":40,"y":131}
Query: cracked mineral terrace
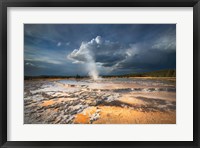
{"x":106,"y":101}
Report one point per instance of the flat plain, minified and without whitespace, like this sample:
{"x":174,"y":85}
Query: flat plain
{"x":131,"y":100}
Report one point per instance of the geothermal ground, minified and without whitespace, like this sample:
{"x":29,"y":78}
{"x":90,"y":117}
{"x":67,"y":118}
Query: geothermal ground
{"x":106,"y":101}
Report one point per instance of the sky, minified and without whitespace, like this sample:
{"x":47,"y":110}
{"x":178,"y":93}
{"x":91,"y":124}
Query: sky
{"x":107,"y":49}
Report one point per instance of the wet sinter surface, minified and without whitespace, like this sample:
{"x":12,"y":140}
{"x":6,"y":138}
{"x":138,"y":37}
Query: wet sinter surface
{"x":106,"y":101}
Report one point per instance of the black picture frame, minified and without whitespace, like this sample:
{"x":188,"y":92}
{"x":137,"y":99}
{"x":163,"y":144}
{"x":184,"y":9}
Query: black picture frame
{"x":4,"y":4}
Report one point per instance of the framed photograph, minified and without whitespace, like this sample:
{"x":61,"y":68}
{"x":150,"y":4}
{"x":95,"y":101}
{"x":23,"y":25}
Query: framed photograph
{"x":99,"y":73}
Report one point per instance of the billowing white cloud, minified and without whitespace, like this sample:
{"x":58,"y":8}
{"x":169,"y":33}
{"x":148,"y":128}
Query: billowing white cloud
{"x":109,"y":56}
{"x":97,"y":54}
{"x":102,"y":51}
{"x":85,"y":54}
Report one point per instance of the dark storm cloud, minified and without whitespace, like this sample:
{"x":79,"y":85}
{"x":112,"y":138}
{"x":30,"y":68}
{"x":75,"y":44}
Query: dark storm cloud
{"x":159,"y":53}
{"x":114,"y":48}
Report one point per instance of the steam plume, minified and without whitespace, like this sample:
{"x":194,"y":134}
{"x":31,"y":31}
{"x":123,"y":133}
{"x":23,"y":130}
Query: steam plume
{"x":85,"y":55}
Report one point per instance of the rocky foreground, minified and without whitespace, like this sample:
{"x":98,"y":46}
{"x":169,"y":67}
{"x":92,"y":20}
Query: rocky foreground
{"x":108,"y":101}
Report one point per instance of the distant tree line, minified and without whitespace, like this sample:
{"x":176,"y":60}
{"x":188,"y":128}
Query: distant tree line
{"x":158,"y":73}
{"x":161,"y":73}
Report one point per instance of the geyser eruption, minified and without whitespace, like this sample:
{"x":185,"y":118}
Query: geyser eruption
{"x":91,"y":65}
{"x":85,"y":55}
{"x":93,"y":72}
